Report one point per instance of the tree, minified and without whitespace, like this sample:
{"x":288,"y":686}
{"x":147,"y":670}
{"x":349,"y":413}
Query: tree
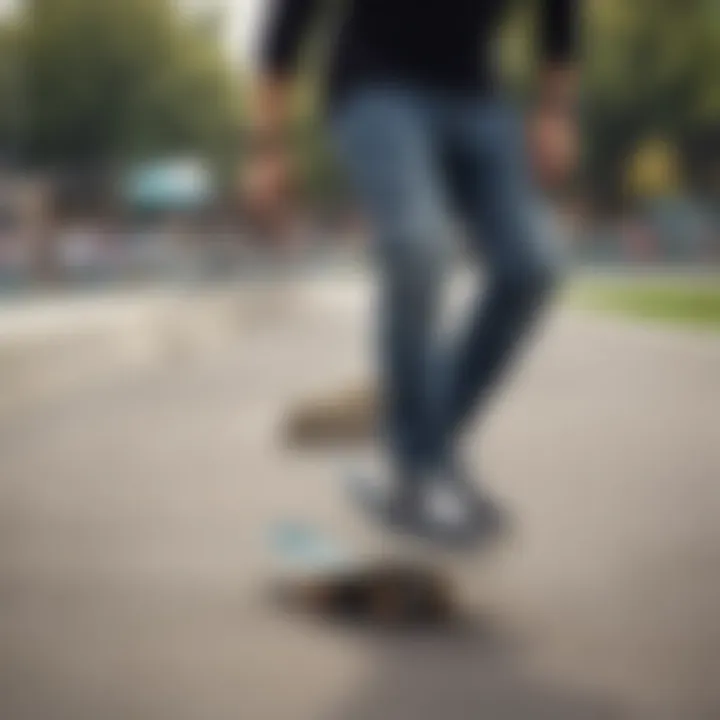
{"x":10,"y":125}
{"x":111,"y":80}
{"x":651,"y":70}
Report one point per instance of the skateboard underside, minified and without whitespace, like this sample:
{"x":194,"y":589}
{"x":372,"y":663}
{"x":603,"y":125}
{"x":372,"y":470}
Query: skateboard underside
{"x":319,"y":577}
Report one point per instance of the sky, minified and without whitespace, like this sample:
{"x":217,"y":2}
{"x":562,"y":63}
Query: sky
{"x":241,"y":31}
{"x":242,"y":26}
{"x":244,"y":20}
{"x":7,"y":5}
{"x":246,"y":17}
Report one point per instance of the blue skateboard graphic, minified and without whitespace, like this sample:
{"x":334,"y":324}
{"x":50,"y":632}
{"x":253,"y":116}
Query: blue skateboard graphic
{"x":302,"y":548}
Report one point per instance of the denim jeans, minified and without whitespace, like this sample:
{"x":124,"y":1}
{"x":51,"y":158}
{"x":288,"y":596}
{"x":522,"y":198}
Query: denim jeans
{"x":422,"y":161}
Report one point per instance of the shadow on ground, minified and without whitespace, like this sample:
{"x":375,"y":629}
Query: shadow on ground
{"x":462,"y":672}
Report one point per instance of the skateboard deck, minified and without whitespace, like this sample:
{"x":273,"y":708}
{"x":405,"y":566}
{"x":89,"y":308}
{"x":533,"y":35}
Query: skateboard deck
{"x":347,"y":416}
{"x":321,"y":576}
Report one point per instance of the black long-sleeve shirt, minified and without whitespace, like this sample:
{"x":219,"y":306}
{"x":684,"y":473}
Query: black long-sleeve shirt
{"x":442,"y":44}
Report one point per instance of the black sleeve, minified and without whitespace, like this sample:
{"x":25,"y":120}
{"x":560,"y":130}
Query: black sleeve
{"x":559,"y":28}
{"x":286,"y":30}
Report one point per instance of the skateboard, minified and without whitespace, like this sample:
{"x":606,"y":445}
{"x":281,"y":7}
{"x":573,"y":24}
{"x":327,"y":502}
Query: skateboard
{"x":347,"y":416}
{"x":319,"y":575}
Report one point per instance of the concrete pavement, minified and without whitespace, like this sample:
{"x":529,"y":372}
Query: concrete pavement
{"x":133,"y":515}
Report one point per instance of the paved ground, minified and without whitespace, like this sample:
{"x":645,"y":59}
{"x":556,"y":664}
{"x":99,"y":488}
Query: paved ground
{"x":132,"y":517}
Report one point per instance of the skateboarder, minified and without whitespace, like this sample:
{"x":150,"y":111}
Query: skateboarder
{"x":422,"y":124}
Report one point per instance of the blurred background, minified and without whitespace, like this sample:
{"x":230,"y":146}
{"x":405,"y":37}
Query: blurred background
{"x":155,"y":338}
{"x":121,"y":136}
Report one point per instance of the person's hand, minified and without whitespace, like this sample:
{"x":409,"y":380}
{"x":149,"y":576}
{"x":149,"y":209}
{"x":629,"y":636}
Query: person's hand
{"x":267,"y":173}
{"x":266,"y":180}
{"x":553,"y":131}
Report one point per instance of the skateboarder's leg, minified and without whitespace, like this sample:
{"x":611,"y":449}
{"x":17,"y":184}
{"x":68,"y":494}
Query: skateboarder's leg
{"x":389,"y":145}
{"x":494,"y":193}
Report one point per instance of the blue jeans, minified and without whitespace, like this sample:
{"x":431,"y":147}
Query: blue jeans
{"x":419,"y":161}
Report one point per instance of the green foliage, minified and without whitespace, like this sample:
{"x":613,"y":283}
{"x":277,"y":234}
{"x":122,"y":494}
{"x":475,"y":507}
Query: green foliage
{"x":101,"y":81}
{"x":115,"y":79}
{"x":9,"y":89}
{"x":650,"y":70}
{"x":694,"y":302}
